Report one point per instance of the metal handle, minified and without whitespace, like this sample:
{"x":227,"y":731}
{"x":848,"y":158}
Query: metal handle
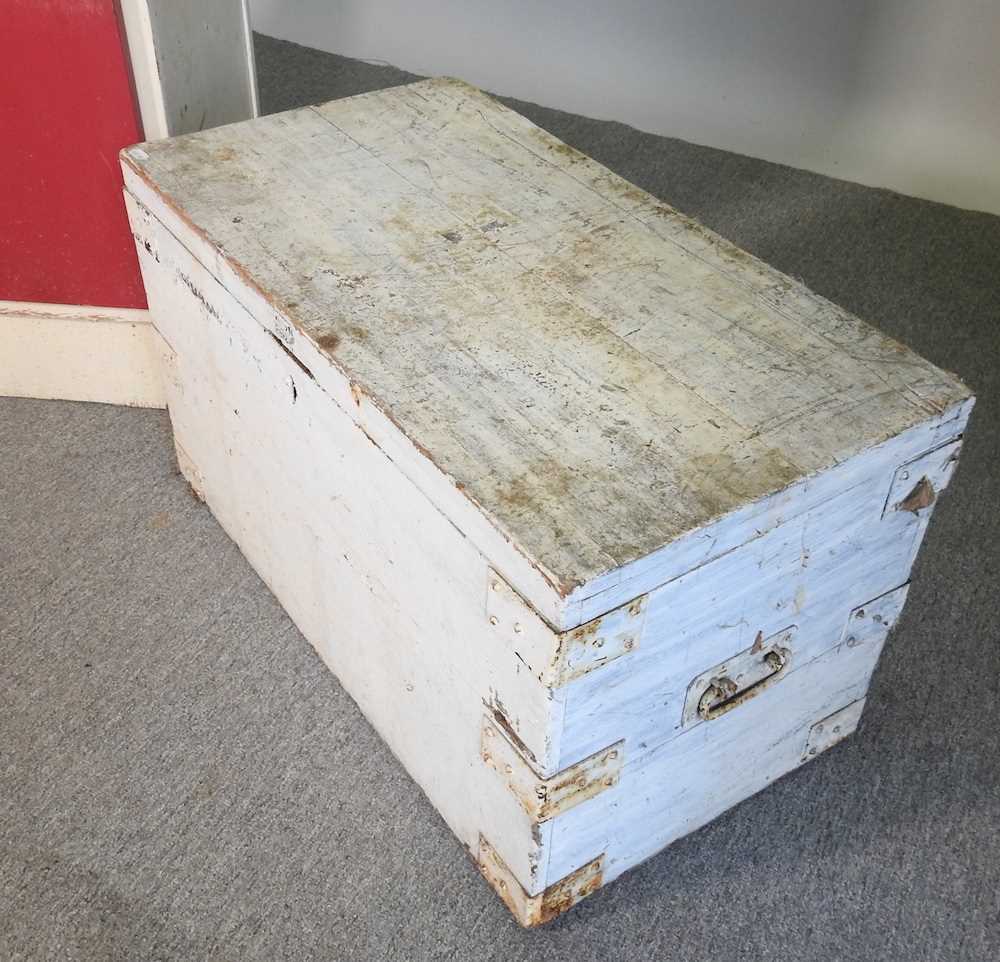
{"x":723,"y":694}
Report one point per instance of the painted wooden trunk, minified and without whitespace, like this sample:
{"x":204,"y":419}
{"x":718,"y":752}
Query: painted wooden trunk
{"x":601,"y":521}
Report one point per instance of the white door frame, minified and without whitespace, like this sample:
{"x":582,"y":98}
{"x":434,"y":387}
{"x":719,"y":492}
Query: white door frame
{"x":155,"y":27}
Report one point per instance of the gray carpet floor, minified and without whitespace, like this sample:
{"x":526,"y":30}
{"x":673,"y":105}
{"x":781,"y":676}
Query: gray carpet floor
{"x":181,"y":779}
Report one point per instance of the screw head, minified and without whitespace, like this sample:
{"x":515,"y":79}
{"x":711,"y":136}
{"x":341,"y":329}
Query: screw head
{"x":517,"y":629}
{"x":628,"y":644}
{"x":494,"y":586}
{"x":508,"y":770}
{"x":609,"y":781}
{"x":494,"y":620}
{"x":613,"y":754}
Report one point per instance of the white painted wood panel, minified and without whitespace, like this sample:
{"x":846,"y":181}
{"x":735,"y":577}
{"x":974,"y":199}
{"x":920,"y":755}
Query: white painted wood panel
{"x":690,"y":780}
{"x":676,"y":778}
{"x":680,"y":784}
{"x":527,"y":536}
{"x":470,"y":274}
{"x":415,"y":463}
{"x":381,"y":583}
{"x":756,"y":519}
{"x":809,"y":571}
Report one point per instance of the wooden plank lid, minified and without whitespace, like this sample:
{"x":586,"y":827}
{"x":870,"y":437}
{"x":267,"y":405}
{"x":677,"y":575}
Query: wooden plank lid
{"x":597,"y":372}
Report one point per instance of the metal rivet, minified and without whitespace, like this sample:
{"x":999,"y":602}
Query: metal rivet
{"x":517,"y":629}
{"x":494,"y":620}
{"x":628,"y":644}
{"x":905,"y":475}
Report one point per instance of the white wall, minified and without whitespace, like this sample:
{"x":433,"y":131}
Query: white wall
{"x":895,"y":93}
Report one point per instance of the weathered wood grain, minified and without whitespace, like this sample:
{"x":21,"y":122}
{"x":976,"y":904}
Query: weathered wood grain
{"x":807,"y":571}
{"x":388,"y":591}
{"x":597,"y":373}
{"x":534,"y":462}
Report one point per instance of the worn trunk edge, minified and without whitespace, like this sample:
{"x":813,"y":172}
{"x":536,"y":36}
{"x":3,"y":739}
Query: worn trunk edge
{"x":534,"y":910}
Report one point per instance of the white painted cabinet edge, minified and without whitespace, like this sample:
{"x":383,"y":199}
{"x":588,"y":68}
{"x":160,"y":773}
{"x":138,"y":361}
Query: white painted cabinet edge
{"x":567,"y":608}
{"x":145,"y":71}
{"x":730,"y":531}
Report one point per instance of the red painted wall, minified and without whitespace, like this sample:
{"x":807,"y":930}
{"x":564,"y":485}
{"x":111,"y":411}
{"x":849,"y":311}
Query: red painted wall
{"x":66,"y":109}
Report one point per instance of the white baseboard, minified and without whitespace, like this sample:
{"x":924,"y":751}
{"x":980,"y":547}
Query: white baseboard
{"x":69,"y":352}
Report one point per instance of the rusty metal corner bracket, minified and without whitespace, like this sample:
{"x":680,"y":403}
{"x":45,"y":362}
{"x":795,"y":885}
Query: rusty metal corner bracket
{"x":532,"y":910}
{"x":545,"y":798}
